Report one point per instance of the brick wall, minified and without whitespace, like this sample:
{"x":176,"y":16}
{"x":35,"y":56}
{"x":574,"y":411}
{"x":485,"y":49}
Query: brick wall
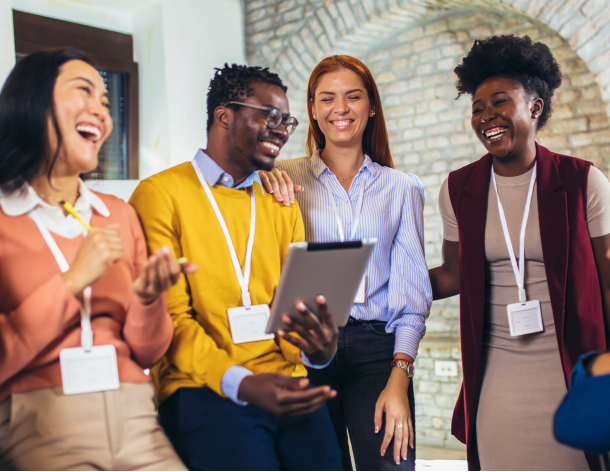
{"x":412,"y":48}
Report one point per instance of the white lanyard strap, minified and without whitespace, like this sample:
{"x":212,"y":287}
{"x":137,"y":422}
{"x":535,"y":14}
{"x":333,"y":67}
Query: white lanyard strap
{"x":86,"y":337}
{"x":520,"y":270}
{"x":336,"y":209}
{"x":243,"y":280}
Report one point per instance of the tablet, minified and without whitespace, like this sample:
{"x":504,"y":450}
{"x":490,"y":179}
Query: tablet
{"x":334,"y":270}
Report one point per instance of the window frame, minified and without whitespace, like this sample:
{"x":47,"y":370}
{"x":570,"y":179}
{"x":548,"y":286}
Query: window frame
{"x":107,"y":49}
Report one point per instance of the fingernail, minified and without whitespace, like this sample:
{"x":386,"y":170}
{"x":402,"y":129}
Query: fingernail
{"x":292,"y":200}
{"x":398,"y":462}
{"x":404,"y":456}
{"x":301,"y":306}
{"x":280,"y":200}
{"x":287,"y":203}
{"x":165,"y":249}
{"x":270,"y":191}
{"x":321,"y":299}
{"x":376,"y":428}
{"x":280,"y":332}
{"x":382,"y":452}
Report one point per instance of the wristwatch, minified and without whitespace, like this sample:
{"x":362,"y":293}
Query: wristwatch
{"x":405,"y":365}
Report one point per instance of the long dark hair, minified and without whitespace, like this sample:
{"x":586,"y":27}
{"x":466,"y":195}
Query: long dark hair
{"x":26,"y":104}
{"x":375,"y":141}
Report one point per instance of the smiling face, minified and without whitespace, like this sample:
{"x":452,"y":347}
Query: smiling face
{"x":83,"y":117}
{"x":342,"y":108}
{"x":252,"y":144}
{"x":505,"y":117}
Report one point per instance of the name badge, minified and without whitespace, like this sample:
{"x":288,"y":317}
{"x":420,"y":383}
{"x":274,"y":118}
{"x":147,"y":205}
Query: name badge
{"x":361,"y":294}
{"x":87,"y":372}
{"x":248,"y":324}
{"x":524,"y":318}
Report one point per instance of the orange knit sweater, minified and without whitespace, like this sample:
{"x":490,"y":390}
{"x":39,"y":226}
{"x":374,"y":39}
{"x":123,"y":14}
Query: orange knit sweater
{"x":39,"y":316}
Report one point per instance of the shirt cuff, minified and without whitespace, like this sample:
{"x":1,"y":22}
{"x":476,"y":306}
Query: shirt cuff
{"x":308,"y":363}
{"x":407,"y":340}
{"x":231,"y":381}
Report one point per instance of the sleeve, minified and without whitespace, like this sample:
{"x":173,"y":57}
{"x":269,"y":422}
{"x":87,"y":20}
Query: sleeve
{"x":148,"y":329}
{"x":231,"y":382}
{"x":450,"y":227}
{"x":193,"y":351}
{"x":598,"y":203}
{"x":409,"y":290}
{"x":23,"y":336}
{"x":582,"y":420}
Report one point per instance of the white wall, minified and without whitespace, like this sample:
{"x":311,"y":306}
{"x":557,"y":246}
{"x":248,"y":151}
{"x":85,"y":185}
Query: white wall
{"x":7,"y":40}
{"x":199,"y":35}
{"x":177,"y":44}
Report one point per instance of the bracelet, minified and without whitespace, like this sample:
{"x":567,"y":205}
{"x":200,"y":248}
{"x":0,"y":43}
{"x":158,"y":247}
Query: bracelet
{"x":400,"y":359}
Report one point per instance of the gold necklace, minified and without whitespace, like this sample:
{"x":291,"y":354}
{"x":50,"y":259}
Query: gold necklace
{"x":47,"y":199}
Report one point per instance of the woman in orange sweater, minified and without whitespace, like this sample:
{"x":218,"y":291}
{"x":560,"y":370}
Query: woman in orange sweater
{"x":82,"y":313}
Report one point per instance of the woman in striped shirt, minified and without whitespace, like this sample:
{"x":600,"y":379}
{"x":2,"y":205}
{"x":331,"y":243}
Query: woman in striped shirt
{"x":352,"y":193}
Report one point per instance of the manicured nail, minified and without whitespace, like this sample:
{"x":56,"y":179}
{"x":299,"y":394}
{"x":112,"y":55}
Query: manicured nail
{"x":280,"y":332}
{"x":270,"y":191}
{"x":165,"y":249}
{"x":182,"y":260}
{"x":301,"y":306}
{"x":382,"y":452}
{"x":398,"y":462}
{"x":404,"y":456}
{"x":280,"y":200}
{"x":287,"y":203}
{"x":376,"y":428}
{"x":321,"y":299}
{"x":292,"y":200}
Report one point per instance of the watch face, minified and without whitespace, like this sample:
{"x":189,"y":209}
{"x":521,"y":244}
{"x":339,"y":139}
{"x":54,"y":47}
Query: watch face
{"x":410,"y":370}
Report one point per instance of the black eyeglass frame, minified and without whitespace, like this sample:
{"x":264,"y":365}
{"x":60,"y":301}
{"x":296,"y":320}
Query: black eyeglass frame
{"x":285,"y":118}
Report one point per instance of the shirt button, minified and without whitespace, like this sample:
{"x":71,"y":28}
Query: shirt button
{"x":225,"y":179}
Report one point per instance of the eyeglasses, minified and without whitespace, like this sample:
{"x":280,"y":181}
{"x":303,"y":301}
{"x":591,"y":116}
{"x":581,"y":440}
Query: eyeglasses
{"x":274,"y":116}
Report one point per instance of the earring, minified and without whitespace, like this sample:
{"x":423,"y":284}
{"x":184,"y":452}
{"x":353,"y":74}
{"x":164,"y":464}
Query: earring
{"x":372,"y":114}
{"x":314,"y":117}
{"x":535,"y":117}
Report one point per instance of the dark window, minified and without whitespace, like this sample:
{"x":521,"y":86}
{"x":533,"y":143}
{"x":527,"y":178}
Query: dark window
{"x":112,"y":53}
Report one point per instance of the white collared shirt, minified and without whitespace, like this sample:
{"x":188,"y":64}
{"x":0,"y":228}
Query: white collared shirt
{"x":25,"y":201}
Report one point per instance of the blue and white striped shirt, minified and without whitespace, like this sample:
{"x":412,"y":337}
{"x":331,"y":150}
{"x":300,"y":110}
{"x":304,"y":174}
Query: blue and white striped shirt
{"x":398,"y":287}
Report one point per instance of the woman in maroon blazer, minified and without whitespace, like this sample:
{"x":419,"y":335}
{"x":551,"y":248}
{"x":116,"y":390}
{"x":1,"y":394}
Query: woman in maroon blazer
{"x":524,"y":320}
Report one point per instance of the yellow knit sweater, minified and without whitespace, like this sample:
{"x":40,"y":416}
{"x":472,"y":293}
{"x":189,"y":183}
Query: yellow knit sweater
{"x":175,"y":211}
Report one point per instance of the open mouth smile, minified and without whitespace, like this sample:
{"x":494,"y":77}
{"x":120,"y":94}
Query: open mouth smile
{"x":494,"y":134}
{"x":342,"y":124}
{"x":273,"y":147}
{"x":88,"y":131}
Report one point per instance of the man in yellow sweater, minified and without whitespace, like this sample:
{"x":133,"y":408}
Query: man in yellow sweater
{"x":232,"y":397}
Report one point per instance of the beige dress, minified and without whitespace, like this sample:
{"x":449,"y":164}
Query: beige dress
{"x":523,"y":380}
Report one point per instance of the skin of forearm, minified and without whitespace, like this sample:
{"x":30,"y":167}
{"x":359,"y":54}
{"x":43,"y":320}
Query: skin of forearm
{"x":443,"y":284}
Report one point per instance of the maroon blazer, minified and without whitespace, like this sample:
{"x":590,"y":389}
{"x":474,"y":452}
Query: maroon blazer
{"x":569,"y":264}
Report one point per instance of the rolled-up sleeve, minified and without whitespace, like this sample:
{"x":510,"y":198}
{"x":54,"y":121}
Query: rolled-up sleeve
{"x":409,"y":290}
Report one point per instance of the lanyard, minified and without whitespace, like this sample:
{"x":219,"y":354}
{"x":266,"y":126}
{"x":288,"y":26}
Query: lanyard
{"x":242,"y":279}
{"x":518,"y":271}
{"x":86,"y":337}
{"x":336,"y":209}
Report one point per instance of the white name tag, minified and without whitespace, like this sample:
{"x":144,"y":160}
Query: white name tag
{"x":86,"y":372}
{"x":361,"y":294}
{"x":248,"y":324}
{"x":524,"y":318}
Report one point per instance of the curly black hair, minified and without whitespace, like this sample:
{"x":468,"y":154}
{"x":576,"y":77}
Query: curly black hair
{"x":531,"y":64}
{"x":233,"y":83}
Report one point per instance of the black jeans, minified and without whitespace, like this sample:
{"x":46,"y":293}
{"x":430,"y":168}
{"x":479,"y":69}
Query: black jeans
{"x":359,"y":373}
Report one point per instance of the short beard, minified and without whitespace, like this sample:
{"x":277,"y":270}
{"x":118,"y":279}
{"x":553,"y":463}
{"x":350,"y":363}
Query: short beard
{"x":260,"y":165}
